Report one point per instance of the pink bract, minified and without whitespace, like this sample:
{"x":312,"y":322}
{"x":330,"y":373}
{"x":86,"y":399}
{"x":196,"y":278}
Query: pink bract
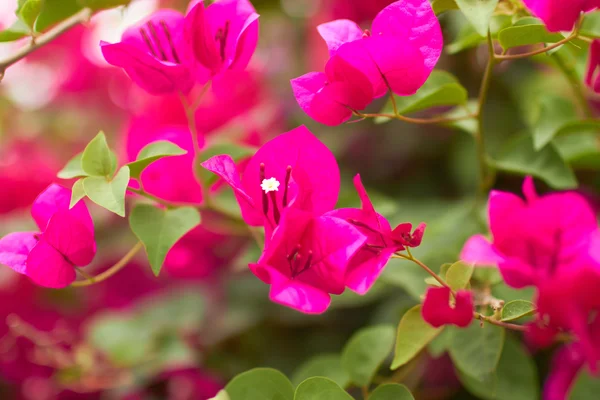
{"x":560,"y":15}
{"x":437,"y":310}
{"x":592,"y":77}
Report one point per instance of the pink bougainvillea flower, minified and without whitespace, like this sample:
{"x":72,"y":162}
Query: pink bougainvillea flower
{"x":153,"y":53}
{"x":592,"y":78}
{"x":381,"y":243}
{"x":400,"y":51}
{"x":66,"y":240}
{"x":222,"y":36}
{"x":566,"y":364}
{"x":330,"y":97}
{"x":437,"y":310}
{"x":560,"y":15}
{"x":534,"y":238}
{"x":306,"y":259}
{"x":293,"y":170}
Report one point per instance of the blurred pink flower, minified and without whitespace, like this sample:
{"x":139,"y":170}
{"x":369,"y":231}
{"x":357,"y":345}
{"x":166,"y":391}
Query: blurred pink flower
{"x":566,"y":364}
{"x":560,"y":15}
{"x":306,"y":260}
{"x":536,"y":238}
{"x":222,"y":36}
{"x":66,"y":240}
{"x":381,"y":243}
{"x":293,"y":170}
{"x":437,"y":310}
{"x":592,"y":77}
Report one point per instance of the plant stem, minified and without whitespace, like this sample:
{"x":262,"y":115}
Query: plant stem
{"x":62,"y":27}
{"x":191,"y":118}
{"x":492,"y":321}
{"x":112,"y":270}
{"x":418,"y":121}
{"x":503,"y":57}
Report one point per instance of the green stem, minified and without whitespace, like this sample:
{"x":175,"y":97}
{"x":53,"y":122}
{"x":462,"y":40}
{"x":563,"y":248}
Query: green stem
{"x":112,"y":270}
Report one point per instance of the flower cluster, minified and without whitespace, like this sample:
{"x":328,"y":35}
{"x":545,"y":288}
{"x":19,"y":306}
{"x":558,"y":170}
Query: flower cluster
{"x":290,"y":187}
{"x":397,"y":54}
{"x":550,"y":242}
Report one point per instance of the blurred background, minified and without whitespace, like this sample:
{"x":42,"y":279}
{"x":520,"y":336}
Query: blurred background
{"x":206,"y":318}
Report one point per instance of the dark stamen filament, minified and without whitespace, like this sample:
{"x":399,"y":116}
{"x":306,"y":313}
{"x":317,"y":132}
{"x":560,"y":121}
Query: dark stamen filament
{"x":221,"y":37}
{"x":265,"y":200}
{"x":148,"y":42}
{"x":288,"y":174}
{"x":362,"y":225}
{"x":306,"y":264}
{"x":276,"y":214}
{"x":168,"y":36}
{"x":291,"y":256}
{"x":156,"y":40}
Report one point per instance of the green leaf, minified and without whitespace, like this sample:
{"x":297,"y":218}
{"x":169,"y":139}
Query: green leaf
{"x":160,"y":229}
{"x":412,"y":336}
{"x":586,"y":386}
{"x":73,"y":169}
{"x":153,"y":152}
{"x":260,"y":384}
{"x":97,"y":158}
{"x":327,"y":365}
{"x":77,"y":192}
{"x":236,"y":151}
{"x":108,"y":194}
{"x":391,"y":392}
{"x":365,"y":351}
{"x":516,"y":309}
{"x":468,"y":37}
{"x":439,"y":345}
{"x":14,"y":32}
{"x":579,"y":149}
{"x":591,"y":25}
{"x":523,"y":35}
{"x":458,"y":275}
{"x":515,"y":377}
{"x":439,"y":6}
{"x":29,"y":11}
{"x":520,"y":157}
{"x":478,"y":12}
{"x":54,"y":11}
{"x":98,"y":5}
{"x":441,"y":89}
{"x":555,"y":112}
{"x":222,"y":395}
{"x":178,"y":310}
{"x":320,"y":389}
{"x":476,"y":350}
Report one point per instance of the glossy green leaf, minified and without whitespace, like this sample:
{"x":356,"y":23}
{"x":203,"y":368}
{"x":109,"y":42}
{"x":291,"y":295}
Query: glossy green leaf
{"x":591,"y":25}
{"x":441,"y":89}
{"x":478,"y":12}
{"x":54,"y":11}
{"x":77,"y":192}
{"x":520,"y":157}
{"x":97,"y":5}
{"x":515,"y":377}
{"x":391,"y":392}
{"x":153,"y":152}
{"x":468,"y":37}
{"x":29,"y":11}
{"x":459,"y":274}
{"x":97,"y":158}
{"x":260,"y":384}
{"x":555,"y":112}
{"x":439,"y":6}
{"x":106,"y":193}
{"x":365,"y":351}
{"x":476,"y":350}
{"x":14,"y":32}
{"x":160,"y":229}
{"x":73,"y":169}
{"x":516,"y":309}
{"x":523,"y":35}
{"x":412,"y":336}
{"x":319,"y":388}
{"x":326,"y":365}
{"x":236,"y":151}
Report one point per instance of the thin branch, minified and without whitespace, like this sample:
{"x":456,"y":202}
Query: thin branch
{"x":418,"y":121}
{"x":505,"y":325}
{"x":40,"y":41}
{"x":503,"y":57}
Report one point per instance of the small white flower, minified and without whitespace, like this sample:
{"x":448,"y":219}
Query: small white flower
{"x":270,"y":185}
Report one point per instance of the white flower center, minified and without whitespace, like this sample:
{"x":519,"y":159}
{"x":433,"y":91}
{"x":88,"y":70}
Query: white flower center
{"x":270,"y":185}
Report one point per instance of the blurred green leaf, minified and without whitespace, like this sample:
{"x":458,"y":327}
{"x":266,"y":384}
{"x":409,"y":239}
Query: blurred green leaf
{"x":586,"y":386}
{"x":77,"y":192}
{"x":441,"y":89}
{"x":97,"y":158}
{"x":98,"y":5}
{"x":476,"y":350}
{"x":579,"y":149}
{"x":179,"y":310}
{"x":468,"y":37}
{"x":29,"y":11}
{"x":525,"y":32}
{"x":391,"y":392}
{"x":519,"y":156}
{"x":237,"y":151}
{"x":16,"y":31}
{"x":327,"y":365}
{"x":555,"y":112}
{"x":160,"y":229}
{"x":365,"y":351}
{"x":439,"y":6}
{"x":153,"y":152}
{"x":407,"y":275}
{"x":260,"y":384}
{"x":73,"y":169}
{"x":439,"y":345}
{"x":320,"y":389}
{"x":458,"y":275}
{"x":591,"y":25}
{"x":108,"y":194}
{"x":54,"y":11}
{"x":515,"y":377}
{"x":516,"y":309}
{"x":478,"y":12}
{"x":412,"y":336}
{"x":222,"y":395}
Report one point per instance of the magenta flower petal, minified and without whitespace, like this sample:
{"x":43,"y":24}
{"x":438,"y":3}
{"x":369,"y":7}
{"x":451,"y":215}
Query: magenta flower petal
{"x":479,"y":251}
{"x":366,"y":267}
{"x":338,"y":32}
{"x":47,"y":267}
{"x":592,"y":77}
{"x":559,"y":15}
{"x":437,"y":310}
{"x":14,"y":249}
{"x":71,"y":238}
{"x":54,"y":199}
{"x":360,"y":57}
{"x":566,"y":364}
{"x":415,"y":20}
